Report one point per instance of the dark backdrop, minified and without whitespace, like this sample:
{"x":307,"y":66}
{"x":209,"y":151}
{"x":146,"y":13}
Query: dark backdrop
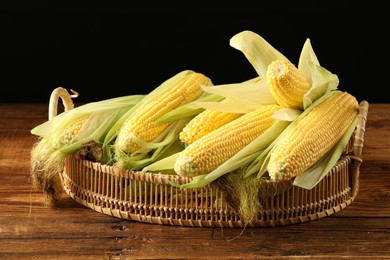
{"x":114,"y":49}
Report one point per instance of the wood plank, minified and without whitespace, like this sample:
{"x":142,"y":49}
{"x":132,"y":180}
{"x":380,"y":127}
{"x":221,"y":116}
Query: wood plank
{"x":376,"y":148}
{"x":22,"y":116}
{"x":98,"y":236}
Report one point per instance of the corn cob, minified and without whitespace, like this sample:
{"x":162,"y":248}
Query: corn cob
{"x":287,"y":84}
{"x":210,"y":151}
{"x":204,"y":123}
{"x":142,"y":124}
{"x":312,"y":137}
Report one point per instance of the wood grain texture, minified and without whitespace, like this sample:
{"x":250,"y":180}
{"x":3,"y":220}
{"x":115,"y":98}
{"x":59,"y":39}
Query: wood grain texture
{"x":29,"y":230}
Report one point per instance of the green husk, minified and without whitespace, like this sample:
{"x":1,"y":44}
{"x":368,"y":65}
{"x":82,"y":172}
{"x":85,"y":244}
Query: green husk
{"x":187,"y":110}
{"x":47,"y":155}
{"x":260,"y":54}
{"x":151,"y":151}
{"x":164,"y":164}
{"x":247,"y":96}
{"x":256,"y":49}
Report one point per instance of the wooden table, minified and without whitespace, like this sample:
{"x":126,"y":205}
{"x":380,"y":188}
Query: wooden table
{"x":29,"y":230}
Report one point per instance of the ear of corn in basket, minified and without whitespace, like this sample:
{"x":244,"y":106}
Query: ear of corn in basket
{"x":263,"y":57}
{"x":321,"y":168}
{"x":138,"y":139}
{"x":142,"y":123}
{"x":210,"y":151}
{"x":312,"y":136}
{"x":287,"y":84}
{"x":66,"y":133}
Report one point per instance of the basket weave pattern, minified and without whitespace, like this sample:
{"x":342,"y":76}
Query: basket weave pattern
{"x":149,"y":198}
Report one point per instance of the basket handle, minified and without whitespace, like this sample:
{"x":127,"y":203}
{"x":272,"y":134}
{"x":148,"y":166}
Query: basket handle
{"x":360,"y":130}
{"x":66,"y":99}
{"x":358,"y":142}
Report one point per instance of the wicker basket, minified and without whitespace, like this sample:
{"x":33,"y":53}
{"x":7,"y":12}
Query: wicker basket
{"x":148,"y":197}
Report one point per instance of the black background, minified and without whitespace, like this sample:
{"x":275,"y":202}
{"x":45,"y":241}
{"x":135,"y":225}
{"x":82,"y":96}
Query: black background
{"x":113,"y":49}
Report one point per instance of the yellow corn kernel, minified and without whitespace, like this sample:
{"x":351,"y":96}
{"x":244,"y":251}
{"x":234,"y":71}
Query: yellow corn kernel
{"x":312,"y":137}
{"x":210,"y":151}
{"x":287,"y":84}
{"x":142,"y":124}
{"x":204,"y":123}
{"x":67,"y":136}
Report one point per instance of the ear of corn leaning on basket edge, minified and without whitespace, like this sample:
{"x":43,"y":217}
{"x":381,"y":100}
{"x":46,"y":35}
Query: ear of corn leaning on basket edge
{"x":65,"y":133}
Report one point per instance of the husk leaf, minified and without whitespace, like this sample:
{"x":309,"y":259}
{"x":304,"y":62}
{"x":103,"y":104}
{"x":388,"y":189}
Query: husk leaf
{"x":187,"y":110}
{"x":256,"y":49}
